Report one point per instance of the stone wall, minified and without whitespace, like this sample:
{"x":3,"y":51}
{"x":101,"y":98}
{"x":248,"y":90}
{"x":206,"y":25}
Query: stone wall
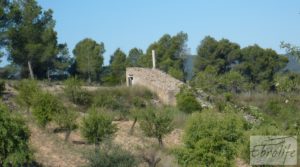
{"x":165,"y":86}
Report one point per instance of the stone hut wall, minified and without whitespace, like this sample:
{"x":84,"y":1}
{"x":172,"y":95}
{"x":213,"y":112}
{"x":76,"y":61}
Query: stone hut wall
{"x":165,"y":86}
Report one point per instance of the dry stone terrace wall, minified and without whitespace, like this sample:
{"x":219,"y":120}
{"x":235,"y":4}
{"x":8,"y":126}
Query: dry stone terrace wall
{"x":165,"y":86}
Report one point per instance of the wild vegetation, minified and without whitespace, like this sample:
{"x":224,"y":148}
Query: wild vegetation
{"x":250,"y":89}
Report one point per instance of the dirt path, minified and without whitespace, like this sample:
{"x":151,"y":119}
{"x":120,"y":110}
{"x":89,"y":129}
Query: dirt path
{"x":50,"y":150}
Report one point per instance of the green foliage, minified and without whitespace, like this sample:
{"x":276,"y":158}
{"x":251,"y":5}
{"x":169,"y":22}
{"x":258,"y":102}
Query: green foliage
{"x":66,"y":119}
{"x":27,"y":91}
{"x":32,"y":38}
{"x":186,"y":101}
{"x":206,"y":80}
{"x":14,"y":140}
{"x":170,"y":54}
{"x":97,"y":126}
{"x":287,"y":82}
{"x":241,"y":67}
{"x":211,"y":139}
{"x":112,"y":156}
{"x":291,"y":50}
{"x":211,"y":82}
{"x":74,"y":91}
{"x":134,"y":57}
{"x":122,"y":98}
{"x":234,"y":82}
{"x":118,"y":67}
{"x":45,"y":107}
{"x":89,"y":58}
{"x":157,"y":123}
{"x":260,"y":65}
{"x":220,"y":55}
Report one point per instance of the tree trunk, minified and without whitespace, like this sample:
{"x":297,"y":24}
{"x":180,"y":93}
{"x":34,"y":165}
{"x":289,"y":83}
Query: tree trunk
{"x":68,"y":133}
{"x":30,"y":70}
{"x":48,"y":75}
{"x":89,"y":79}
{"x":132,"y":126}
{"x":160,"y":141}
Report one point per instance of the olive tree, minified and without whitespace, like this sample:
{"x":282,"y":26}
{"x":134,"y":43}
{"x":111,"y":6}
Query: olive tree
{"x":27,"y":90}
{"x":157,"y":123}
{"x":97,"y":126}
{"x":66,"y":119}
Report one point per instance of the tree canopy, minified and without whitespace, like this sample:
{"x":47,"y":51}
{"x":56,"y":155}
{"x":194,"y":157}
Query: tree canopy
{"x":219,"y":54}
{"x":118,"y":66}
{"x":89,"y":58}
{"x":170,"y":54}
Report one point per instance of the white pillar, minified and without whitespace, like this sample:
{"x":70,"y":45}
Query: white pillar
{"x":153,"y":59}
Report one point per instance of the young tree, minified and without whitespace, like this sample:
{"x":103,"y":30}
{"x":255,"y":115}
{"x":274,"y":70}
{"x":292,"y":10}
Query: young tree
{"x":14,"y":140}
{"x":89,"y":57}
{"x":45,"y":106}
{"x":74,"y":91}
{"x":66,"y":119}
{"x":97,"y":126}
{"x":27,"y":91}
{"x":32,"y":41}
{"x":118,"y":66}
{"x":156,"y":123}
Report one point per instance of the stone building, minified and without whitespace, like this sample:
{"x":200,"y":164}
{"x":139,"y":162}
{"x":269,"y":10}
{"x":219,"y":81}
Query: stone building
{"x":165,"y":86}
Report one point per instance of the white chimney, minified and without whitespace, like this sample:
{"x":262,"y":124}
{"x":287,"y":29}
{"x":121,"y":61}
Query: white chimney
{"x":153,"y":59}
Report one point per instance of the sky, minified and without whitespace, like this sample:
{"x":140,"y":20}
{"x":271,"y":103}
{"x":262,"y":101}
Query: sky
{"x":127,"y":24}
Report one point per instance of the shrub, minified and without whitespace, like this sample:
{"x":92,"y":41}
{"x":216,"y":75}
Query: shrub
{"x":156,"y":123}
{"x":122,"y":98}
{"x":45,"y":106}
{"x":73,"y":90}
{"x":27,"y":91}
{"x":211,"y":139}
{"x":97,"y":126}
{"x":14,"y":138}
{"x":186,"y":101}
{"x":112,"y":156}
{"x":288,"y":82}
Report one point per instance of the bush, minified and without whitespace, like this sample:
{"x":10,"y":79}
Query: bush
{"x":97,"y":126}
{"x":27,"y":91}
{"x":186,"y":101}
{"x":45,"y":106}
{"x":14,"y":140}
{"x":288,"y":82}
{"x":73,"y":90}
{"x":111,"y":157}
{"x":211,"y":139}
{"x":122,"y":98}
{"x":156,"y":123}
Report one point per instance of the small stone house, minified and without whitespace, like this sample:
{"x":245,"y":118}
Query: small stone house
{"x":165,"y":86}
